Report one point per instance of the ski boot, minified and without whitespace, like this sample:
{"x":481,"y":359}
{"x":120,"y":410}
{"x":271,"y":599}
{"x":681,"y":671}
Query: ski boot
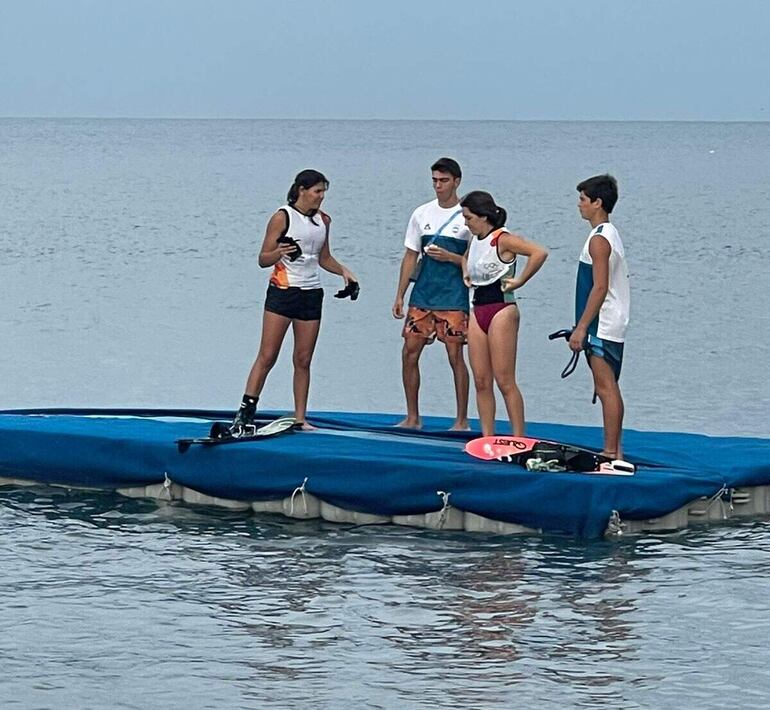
{"x":244,"y":423}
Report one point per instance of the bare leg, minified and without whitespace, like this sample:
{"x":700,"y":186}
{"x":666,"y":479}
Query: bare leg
{"x":305,"y":337}
{"x":608,"y":391}
{"x":481,"y":365}
{"x":410,"y":369}
{"x":454,"y":351}
{"x":503,"y":345}
{"x":274,"y":329}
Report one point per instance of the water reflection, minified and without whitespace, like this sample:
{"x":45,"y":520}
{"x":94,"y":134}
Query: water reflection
{"x":268,"y":610}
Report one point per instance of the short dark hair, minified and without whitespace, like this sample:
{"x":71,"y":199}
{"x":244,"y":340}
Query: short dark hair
{"x":306,"y":179}
{"x":483,"y":204}
{"x":447,"y":165}
{"x":601,"y":187}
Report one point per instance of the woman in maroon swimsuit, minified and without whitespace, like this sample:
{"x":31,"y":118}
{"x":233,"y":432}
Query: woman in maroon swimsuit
{"x":489,"y":267}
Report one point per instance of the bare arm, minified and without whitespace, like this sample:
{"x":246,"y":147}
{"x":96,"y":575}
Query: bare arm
{"x":599,"y":249}
{"x":407,"y":268}
{"x":328,"y":263}
{"x":511,"y":245}
{"x":272,"y":252}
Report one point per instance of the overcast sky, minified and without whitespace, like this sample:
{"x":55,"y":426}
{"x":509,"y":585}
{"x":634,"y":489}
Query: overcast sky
{"x":495,"y":59}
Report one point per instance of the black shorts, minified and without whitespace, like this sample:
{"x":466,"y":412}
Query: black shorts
{"x":295,"y":303}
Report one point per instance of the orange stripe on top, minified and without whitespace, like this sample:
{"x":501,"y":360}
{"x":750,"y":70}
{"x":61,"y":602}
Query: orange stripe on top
{"x":279,"y":277}
{"x":497,"y":234}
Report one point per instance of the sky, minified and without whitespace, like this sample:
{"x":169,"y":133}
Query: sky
{"x":705,"y":60}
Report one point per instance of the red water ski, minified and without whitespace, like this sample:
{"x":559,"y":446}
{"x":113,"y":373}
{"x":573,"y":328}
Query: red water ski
{"x":546,"y":456}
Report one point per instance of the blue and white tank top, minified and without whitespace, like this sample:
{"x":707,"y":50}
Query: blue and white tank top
{"x":612,"y":320}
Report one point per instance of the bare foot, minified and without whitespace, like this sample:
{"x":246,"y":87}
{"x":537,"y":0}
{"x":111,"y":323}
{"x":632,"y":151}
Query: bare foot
{"x":303,"y":426}
{"x":408,"y":424}
{"x":460,"y":425}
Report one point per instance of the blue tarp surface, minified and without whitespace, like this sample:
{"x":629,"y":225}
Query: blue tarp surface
{"x":359,"y":462}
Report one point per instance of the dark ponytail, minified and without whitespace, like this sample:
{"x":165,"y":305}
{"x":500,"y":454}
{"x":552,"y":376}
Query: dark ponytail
{"x":483,"y":205}
{"x":306,"y":179}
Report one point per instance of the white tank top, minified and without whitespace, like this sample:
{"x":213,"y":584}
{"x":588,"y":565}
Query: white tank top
{"x":612,"y":320}
{"x":484,"y":263}
{"x":310,"y":233}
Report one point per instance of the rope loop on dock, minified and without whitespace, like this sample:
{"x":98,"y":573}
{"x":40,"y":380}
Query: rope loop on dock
{"x":724,"y":493}
{"x":614,"y":524}
{"x":167,"y":483}
{"x":445,"y":509}
{"x":299,"y":489}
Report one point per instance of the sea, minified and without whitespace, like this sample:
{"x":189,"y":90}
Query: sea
{"x":129,"y":278}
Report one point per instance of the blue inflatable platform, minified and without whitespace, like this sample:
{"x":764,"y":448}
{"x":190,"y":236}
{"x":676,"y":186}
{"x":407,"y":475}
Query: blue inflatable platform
{"x":359,"y":462}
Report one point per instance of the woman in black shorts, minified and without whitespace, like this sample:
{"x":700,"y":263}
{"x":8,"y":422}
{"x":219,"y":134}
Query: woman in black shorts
{"x":296,"y":245}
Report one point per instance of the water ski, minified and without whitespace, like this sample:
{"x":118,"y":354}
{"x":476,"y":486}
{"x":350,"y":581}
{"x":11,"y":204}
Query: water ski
{"x":539,"y":455}
{"x":220,"y":434}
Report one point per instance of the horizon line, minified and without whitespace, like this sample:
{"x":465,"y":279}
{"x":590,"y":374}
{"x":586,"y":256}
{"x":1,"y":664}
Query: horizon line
{"x":373,"y":120}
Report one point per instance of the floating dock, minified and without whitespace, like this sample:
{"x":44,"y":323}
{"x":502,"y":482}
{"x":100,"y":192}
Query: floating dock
{"x":356,"y":468}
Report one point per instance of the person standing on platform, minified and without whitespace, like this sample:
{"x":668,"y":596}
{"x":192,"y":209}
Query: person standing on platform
{"x":296,"y":246}
{"x":493,"y":333}
{"x":602,"y":304}
{"x":436,"y":239}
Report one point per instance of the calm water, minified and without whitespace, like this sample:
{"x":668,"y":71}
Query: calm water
{"x":127,"y":264}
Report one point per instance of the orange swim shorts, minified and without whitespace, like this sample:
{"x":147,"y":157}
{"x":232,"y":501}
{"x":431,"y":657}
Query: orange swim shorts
{"x":447,"y":326}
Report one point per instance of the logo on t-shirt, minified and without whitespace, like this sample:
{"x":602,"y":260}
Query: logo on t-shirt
{"x":427,"y":226}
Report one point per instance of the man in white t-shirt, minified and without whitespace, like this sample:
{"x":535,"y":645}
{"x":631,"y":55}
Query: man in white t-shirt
{"x":436,"y":239}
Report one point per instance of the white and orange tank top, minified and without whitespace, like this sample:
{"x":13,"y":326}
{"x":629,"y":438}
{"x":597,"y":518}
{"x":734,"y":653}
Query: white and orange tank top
{"x":484,"y":263}
{"x":310,"y":232}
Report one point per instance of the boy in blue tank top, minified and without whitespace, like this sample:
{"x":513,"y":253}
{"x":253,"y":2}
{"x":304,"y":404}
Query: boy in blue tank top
{"x":602,"y":303}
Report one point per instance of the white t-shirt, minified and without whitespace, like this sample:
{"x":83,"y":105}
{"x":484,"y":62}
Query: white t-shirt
{"x":429,"y":218}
